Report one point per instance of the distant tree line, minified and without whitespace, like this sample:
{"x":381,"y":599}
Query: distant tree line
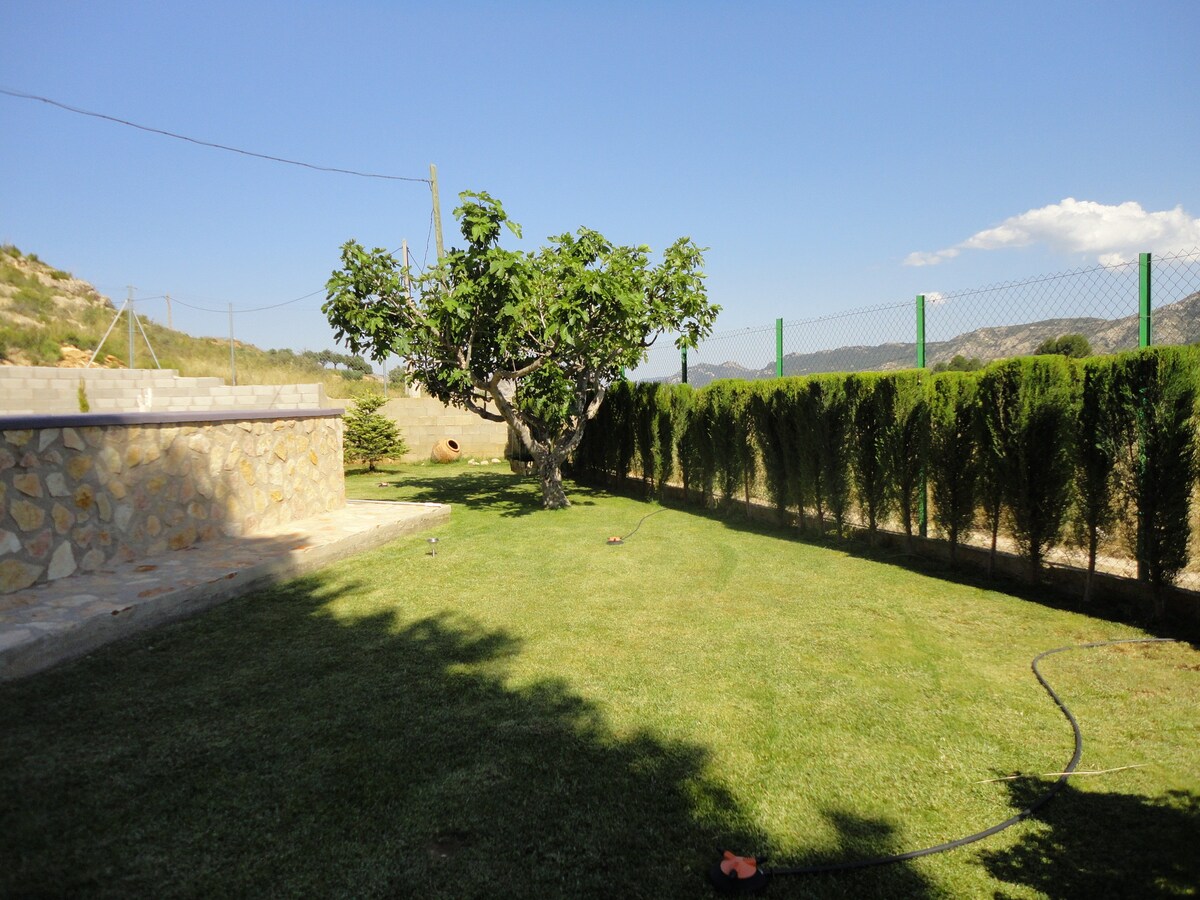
{"x":1041,"y":449}
{"x":1075,"y":346}
{"x":352,"y":368}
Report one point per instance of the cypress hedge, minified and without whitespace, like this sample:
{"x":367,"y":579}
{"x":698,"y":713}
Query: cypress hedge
{"x":1026,"y":447}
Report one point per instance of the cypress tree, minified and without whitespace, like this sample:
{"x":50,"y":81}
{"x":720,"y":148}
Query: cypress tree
{"x":997,"y":399}
{"x":620,"y":443}
{"x":1037,"y":455}
{"x":1158,"y":391}
{"x":953,"y":464}
{"x":872,"y":403}
{"x":683,"y":400}
{"x":744,"y":448}
{"x":768,"y":435}
{"x":645,"y":432}
{"x":1097,"y":452}
{"x":909,"y":445}
{"x":832,"y":434}
{"x":369,"y":435}
{"x":699,"y":456}
{"x":810,"y":443}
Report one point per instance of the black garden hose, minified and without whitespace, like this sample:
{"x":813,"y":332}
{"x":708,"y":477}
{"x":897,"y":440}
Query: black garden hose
{"x":733,"y":886}
{"x":763,"y":874}
{"x":614,"y":541}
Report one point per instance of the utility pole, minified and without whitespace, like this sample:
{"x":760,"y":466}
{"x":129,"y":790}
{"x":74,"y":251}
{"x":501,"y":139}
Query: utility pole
{"x":129,"y":316}
{"x":169,"y":325}
{"x":232,"y":361}
{"x":408,"y":390}
{"x":437,"y":212}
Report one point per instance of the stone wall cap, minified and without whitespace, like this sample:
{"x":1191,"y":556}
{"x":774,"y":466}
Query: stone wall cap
{"x":84,"y":420}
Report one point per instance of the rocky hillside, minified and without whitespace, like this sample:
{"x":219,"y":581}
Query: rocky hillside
{"x":50,"y":318}
{"x":46,"y":314}
{"x":1176,"y":323}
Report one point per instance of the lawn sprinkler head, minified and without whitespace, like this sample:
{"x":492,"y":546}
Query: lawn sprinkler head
{"x":615,"y":541}
{"x":433,"y":542}
{"x":739,"y":874}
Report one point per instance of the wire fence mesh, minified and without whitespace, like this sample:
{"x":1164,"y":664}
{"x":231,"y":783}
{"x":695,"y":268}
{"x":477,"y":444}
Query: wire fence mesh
{"x":747,"y":353}
{"x":880,"y":337}
{"x":1013,"y":318}
{"x":1176,"y":297}
{"x":1100,"y":302}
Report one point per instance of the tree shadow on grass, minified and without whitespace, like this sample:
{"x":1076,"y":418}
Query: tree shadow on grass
{"x":509,"y":495}
{"x":1099,"y":845}
{"x":859,"y":838}
{"x":271,"y":748}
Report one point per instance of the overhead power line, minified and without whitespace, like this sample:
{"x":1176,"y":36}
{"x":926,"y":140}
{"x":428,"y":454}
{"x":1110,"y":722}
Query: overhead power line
{"x":251,"y":309}
{"x":182,"y":137}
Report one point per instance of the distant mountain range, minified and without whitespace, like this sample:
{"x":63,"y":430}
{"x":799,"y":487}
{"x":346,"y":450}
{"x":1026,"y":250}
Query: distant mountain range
{"x":1175,"y":323}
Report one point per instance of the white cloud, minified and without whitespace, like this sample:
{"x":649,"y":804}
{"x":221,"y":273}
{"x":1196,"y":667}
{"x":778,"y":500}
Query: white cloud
{"x":930,"y":259}
{"x":1114,"y":234}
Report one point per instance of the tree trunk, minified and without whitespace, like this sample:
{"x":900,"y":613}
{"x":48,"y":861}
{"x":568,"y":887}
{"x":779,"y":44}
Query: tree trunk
{"x":1091,"y":568}
{"x":991,"y":569}
{"x":549,"y":470}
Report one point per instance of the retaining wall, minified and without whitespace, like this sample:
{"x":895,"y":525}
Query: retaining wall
{"x":80,"y":491}
{"x":424,"y":421}
{"x":33,"y":390}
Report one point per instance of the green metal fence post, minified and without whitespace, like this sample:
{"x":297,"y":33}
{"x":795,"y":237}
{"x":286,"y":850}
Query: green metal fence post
{"x":1144,"y":334}
{"x":683,"y":365}
{"x":1144,"y":339}
{"x":922,"y":507}
{"x":920,"y":331}
{"x":779,"y":348}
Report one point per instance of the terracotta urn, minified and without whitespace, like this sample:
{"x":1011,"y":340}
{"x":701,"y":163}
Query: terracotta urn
{"x":446,"y":450}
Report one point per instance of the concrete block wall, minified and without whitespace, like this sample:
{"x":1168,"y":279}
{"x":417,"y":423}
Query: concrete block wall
{"x":424,"y":421}
{"x":78,"y":491}
{"x":40,"y":390}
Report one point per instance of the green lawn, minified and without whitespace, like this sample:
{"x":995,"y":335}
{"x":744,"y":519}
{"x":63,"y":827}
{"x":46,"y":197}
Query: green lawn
{"x":532,"y":713}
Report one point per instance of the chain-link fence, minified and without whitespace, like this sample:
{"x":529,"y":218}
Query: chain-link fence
{"x":880,"y":337}
{"x":1175,"y":292}
{"x":1014,"y":318}
{"x":1155,"y":299}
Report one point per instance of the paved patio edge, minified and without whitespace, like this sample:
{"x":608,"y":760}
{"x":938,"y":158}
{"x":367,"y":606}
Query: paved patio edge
{"x":27,"y":648}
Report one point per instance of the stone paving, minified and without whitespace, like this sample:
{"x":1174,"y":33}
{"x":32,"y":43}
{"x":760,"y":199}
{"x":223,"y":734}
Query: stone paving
{"x":47,"y":624}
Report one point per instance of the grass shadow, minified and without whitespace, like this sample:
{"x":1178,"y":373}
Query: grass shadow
{"x":508,"y":495}
{"x":270,"y":748}
{"x":889,"y":551}
{"x":858,"y":838}
{"x":1143,"y":847}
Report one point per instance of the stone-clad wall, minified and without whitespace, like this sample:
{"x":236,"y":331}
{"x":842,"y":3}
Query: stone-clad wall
{"x":77,"y":492}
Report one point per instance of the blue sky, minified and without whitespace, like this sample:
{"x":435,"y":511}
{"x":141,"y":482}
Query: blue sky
{"x":831,"y":156}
